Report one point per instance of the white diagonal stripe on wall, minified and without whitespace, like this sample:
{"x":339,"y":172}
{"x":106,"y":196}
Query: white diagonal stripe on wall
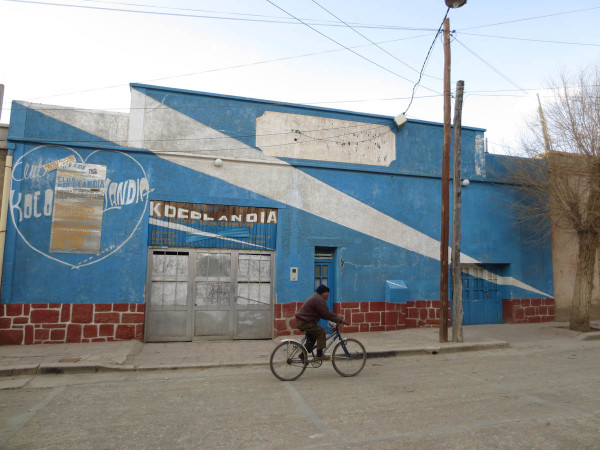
{"x":303,"y":192}
{"x":195,"y":231}
{"x":195,"y":145}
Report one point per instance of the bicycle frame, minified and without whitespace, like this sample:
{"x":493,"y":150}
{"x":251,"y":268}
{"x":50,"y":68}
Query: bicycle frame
{"x":331,"y":338}
{"x":289,"y":359}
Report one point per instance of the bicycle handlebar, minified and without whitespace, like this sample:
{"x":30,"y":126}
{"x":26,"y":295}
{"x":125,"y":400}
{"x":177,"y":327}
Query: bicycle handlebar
{"x":334,"y":325}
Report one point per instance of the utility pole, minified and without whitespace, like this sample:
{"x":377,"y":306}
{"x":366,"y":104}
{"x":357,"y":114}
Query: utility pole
{"x":457,"y":307}
{"x":547,"y":142}
{"x":445,"y":190}
{"x":2,"y":98}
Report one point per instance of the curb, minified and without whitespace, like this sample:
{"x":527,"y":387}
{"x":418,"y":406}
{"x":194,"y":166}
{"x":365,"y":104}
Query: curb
{"x":13,"y":371}
{"x":435,"y":350}
{"x":591,"y":336}
{"x":74,"y":368}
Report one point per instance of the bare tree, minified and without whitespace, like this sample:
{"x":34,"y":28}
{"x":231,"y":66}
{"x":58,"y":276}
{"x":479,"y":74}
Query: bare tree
{"x":560,"y":180}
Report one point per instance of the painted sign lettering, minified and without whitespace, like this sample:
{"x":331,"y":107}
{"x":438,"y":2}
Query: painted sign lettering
{"x":88,"y":204}
{"x":174,"y":224}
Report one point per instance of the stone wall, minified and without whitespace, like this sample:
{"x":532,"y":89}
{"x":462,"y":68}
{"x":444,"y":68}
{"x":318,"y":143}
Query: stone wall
{"x":55,"y":323}
{"x":367,"y":316}
{"x":528,"y":310}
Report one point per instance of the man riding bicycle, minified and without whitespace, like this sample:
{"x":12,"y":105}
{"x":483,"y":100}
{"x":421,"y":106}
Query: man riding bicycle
{"x":308,"y":316}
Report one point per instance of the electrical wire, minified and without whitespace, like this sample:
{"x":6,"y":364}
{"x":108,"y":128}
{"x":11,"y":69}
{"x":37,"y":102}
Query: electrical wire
{"x":425,"y":62}
{"x":490,"y":66}
{"x":474,"y":93}
{"x":219,"y":150}
{"x":531,"y":40}
{"x":291,"y":132}
{"x":229,"y":106}
{"x":320,"y":22}
{"x":365,"y":37}
{"x":347,"y":48}
{"x":531,"y":18}
{"x":237,"y":66}
{"x":204,"y":16}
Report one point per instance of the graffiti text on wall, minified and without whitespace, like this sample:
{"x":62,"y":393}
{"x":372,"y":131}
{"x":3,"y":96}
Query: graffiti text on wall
{"x":61,"y":199}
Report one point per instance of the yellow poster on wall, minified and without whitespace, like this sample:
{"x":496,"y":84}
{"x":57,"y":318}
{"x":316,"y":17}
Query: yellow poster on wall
{"x":78,"y":208}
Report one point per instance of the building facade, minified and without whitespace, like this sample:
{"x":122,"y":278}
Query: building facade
{"x":200,"y":216}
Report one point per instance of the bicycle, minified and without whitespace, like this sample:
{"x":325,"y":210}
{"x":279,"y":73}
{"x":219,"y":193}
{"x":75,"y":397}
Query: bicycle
{"x":290,"y":359}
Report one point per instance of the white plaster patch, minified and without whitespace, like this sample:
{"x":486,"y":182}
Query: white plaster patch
{"x":298,"y":136}
{"x":479,"y":155}
{"x":109,"y":126}
{"x":156,"y":126}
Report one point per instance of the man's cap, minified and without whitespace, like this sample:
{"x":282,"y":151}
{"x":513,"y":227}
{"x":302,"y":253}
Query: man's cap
{"x":322,"y":288}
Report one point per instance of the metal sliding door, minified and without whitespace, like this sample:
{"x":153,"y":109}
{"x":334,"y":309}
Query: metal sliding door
{"x":209,"y":293}
{"x":168,"y":302}
{"x":213,"y":292}
{"x":253,"y":304}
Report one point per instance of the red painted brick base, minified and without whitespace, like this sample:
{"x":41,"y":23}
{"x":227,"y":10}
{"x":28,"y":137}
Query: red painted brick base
{"x":528,"y":310}
{"x":57,"y":323}
{"x":367,"y":316}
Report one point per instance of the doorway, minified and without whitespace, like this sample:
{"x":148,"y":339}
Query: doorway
{"x":209,"y":293}
{"x":324,"y":274}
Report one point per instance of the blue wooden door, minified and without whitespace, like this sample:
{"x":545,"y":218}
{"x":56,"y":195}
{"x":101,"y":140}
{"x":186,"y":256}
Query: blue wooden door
{"x":324,"y":275}
{"x":481,"y":299}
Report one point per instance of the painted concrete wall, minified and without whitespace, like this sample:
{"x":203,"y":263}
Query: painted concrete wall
{"x":3,"y":152}
{"x":564,"y":257}
{"x":339,"y":179}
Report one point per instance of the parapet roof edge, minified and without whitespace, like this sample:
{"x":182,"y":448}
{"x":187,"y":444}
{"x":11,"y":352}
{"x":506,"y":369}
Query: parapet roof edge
{"x":295,"y":105}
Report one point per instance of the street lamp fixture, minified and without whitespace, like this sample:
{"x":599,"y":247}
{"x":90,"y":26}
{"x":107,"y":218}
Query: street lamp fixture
{"x":455,"y":3}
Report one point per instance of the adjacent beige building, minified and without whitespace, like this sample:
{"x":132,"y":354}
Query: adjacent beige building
{"x":564,"y":260}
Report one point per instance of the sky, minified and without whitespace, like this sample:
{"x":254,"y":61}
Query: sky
{"x":344,"y":54}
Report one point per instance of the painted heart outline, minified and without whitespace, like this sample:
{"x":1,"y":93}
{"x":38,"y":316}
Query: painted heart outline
{"x":103,"y":253}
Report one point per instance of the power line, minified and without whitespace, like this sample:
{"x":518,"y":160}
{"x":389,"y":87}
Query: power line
{"x":237,"y":138}
{"x":277,"y":19}
{"x":532,"y":18}
{"x":347,"y":48}
{"x":425,"y":62}
{"x":476,"y":93}
{"x":217,"y":107}
{"x":237,"y":66}
{"x":490,"y":66}
{"x":373,"y":43}
{"x":316,"y":22}
{"x":531,"y":40}
{"x":205,"y":16}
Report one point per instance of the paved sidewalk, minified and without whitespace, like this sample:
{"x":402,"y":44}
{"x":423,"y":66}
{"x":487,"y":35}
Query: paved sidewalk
{"x":134,"y":355}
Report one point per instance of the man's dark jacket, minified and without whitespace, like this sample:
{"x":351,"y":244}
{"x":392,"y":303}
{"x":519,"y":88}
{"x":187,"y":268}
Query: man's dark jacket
{"x":315,"y":308}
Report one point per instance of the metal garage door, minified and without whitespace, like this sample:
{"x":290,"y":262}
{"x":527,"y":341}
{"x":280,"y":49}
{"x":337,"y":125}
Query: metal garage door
{"x":209,"y":293}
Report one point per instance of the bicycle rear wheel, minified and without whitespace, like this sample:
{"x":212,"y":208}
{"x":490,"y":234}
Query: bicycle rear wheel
{"x":286,"y":361}
{"x":349,"y":357}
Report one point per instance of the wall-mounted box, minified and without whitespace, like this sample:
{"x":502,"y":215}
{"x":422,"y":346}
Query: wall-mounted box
{"x":396,"y":291}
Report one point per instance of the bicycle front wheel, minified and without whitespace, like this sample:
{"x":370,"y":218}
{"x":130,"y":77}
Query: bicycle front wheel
{"x":349,"y":357}
{"x":286,"y":361}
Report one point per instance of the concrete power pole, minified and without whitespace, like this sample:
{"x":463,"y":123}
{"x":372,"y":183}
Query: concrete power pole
{"x":457,"y":307}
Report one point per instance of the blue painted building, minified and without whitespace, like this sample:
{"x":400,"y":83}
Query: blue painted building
{"x":202,"y":215}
